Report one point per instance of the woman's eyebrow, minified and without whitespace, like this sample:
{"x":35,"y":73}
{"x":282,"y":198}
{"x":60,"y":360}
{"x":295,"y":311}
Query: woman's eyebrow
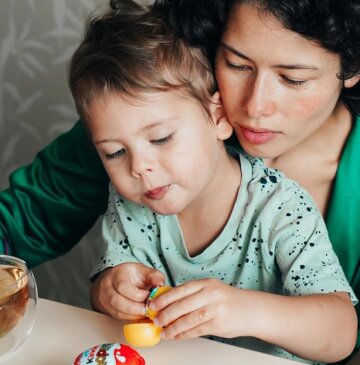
{"x":295,"y":66}
{"x":234,"y":51}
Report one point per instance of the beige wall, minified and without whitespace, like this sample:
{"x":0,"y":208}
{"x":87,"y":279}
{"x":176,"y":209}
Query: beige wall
{"x":37,"y":38}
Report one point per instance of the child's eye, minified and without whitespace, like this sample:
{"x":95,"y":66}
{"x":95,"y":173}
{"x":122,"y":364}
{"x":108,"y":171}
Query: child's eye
{"x":237,"y":67}
{"x":161,"y":141}
{"x":292,"y":81}
{"x":116,"y":154}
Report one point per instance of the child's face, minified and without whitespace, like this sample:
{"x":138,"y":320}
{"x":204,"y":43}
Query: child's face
{"x":161,"y":152}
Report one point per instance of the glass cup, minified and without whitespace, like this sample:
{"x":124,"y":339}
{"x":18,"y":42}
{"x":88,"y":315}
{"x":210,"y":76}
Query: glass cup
{"x":18,"y":300}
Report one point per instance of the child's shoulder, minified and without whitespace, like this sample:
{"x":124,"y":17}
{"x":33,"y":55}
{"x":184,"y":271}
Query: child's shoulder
{"x":255,"y":167}
{"x":262,"y":174}
{"x":270,"y":182}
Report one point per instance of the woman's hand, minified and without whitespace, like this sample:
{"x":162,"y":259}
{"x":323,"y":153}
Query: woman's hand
{"x":121,"y":291}
{"x":197,"y":308}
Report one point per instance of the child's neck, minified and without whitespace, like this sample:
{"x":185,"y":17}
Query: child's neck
{"x":205,"y":218}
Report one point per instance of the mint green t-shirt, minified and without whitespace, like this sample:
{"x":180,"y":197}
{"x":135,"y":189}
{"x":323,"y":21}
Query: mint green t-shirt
{"x":274,"y":241}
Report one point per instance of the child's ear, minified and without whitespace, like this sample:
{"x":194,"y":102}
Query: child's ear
{"x":219,"y":118}
{"x":352,"y":81}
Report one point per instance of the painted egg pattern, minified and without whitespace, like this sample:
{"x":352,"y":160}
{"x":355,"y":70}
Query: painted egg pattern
{"x":110,"y":354}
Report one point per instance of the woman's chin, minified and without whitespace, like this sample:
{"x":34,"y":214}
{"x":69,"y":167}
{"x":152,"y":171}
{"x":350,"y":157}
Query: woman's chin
{"x":265,"y":150}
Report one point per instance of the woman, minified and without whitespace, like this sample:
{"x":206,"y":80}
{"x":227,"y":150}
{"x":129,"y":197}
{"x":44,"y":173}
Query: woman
{"x":293,"y":100}
{"x":288,"y":75}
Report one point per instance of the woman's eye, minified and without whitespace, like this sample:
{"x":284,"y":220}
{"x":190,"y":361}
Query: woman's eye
{"x":161,"y":141}
{"x":116,"y":154}
{"x":237,"y":67}
{"x":292,"y":81}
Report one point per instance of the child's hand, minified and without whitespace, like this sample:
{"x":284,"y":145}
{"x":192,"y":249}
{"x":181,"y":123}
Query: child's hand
{"x":121,"y":291}
{"x":304,"y":325}
{"x":197,"y":308}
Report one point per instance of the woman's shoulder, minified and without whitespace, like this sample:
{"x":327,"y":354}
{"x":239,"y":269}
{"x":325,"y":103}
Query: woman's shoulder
{"x":348,"y":172}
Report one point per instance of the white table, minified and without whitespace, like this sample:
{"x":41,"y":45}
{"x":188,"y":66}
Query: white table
{"x":61,"y":332}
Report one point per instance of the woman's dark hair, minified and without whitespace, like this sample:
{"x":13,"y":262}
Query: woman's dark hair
{"x":200,"y":22}
{"x":333,"y":24}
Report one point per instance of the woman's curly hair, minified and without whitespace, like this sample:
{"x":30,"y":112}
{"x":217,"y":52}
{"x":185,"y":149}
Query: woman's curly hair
{"x":333,"y":24}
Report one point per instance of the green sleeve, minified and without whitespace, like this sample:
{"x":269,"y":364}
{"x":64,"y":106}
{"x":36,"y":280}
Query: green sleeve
{"x":343,"y":213}
{"x":54,"y":201}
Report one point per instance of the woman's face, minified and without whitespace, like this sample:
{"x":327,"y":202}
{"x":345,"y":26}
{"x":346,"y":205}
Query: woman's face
{"x":277,"y":87}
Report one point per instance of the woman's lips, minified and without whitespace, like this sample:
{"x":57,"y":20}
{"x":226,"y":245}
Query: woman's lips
{"x":257,"y":136}
{"x":157,"y":193}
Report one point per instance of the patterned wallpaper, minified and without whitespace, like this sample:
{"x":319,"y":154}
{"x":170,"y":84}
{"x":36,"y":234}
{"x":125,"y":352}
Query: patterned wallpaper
{"x":37,"y":38}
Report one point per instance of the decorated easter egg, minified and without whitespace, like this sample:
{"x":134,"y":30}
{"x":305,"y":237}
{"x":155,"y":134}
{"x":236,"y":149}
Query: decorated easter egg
{"x":110,"y":354}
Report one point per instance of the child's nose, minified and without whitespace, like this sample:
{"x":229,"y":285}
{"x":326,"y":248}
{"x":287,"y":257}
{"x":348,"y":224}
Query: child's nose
{"x":140,"y":165}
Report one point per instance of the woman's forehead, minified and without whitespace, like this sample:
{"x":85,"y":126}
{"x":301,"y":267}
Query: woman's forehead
{"x":257,"y":34}
{"x":245,"y":15}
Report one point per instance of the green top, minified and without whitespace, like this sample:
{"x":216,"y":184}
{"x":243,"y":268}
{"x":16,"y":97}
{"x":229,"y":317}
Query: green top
{"x":343,"y":214}
{"x":54,"y":201}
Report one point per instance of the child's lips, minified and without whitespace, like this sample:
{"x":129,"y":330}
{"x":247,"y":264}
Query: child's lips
{"x":157,"y":193}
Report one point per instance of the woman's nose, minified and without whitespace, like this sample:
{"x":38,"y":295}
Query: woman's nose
{"x":260,"y":100}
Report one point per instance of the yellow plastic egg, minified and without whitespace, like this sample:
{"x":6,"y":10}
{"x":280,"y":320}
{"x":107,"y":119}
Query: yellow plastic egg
{"x":154,"y":294}
{"x":142,"y":334}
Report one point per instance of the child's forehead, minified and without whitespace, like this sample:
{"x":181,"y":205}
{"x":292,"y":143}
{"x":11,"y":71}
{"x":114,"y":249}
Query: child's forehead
{"x":174,"y":92}
{"x":148,"y":98}
{"x":144,"y":112}
{"x":150,"y":107}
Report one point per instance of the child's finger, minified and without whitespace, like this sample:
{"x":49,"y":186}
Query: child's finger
{"x":177,"y":295}
{"x":202,"y":329}
{"x":131,"y":292}
{"x":184,"y":308}
{"x":151,"y":277}
{"x":125,"y":316}
{"x":194,"y":324}
{"x":125,"y":308}
{"x":155,"y":278}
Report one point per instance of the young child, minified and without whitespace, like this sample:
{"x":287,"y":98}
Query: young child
{"x":245,"y":248}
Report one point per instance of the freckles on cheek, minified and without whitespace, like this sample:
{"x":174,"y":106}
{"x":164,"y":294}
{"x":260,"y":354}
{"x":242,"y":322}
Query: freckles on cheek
{"x":306,"y":107}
